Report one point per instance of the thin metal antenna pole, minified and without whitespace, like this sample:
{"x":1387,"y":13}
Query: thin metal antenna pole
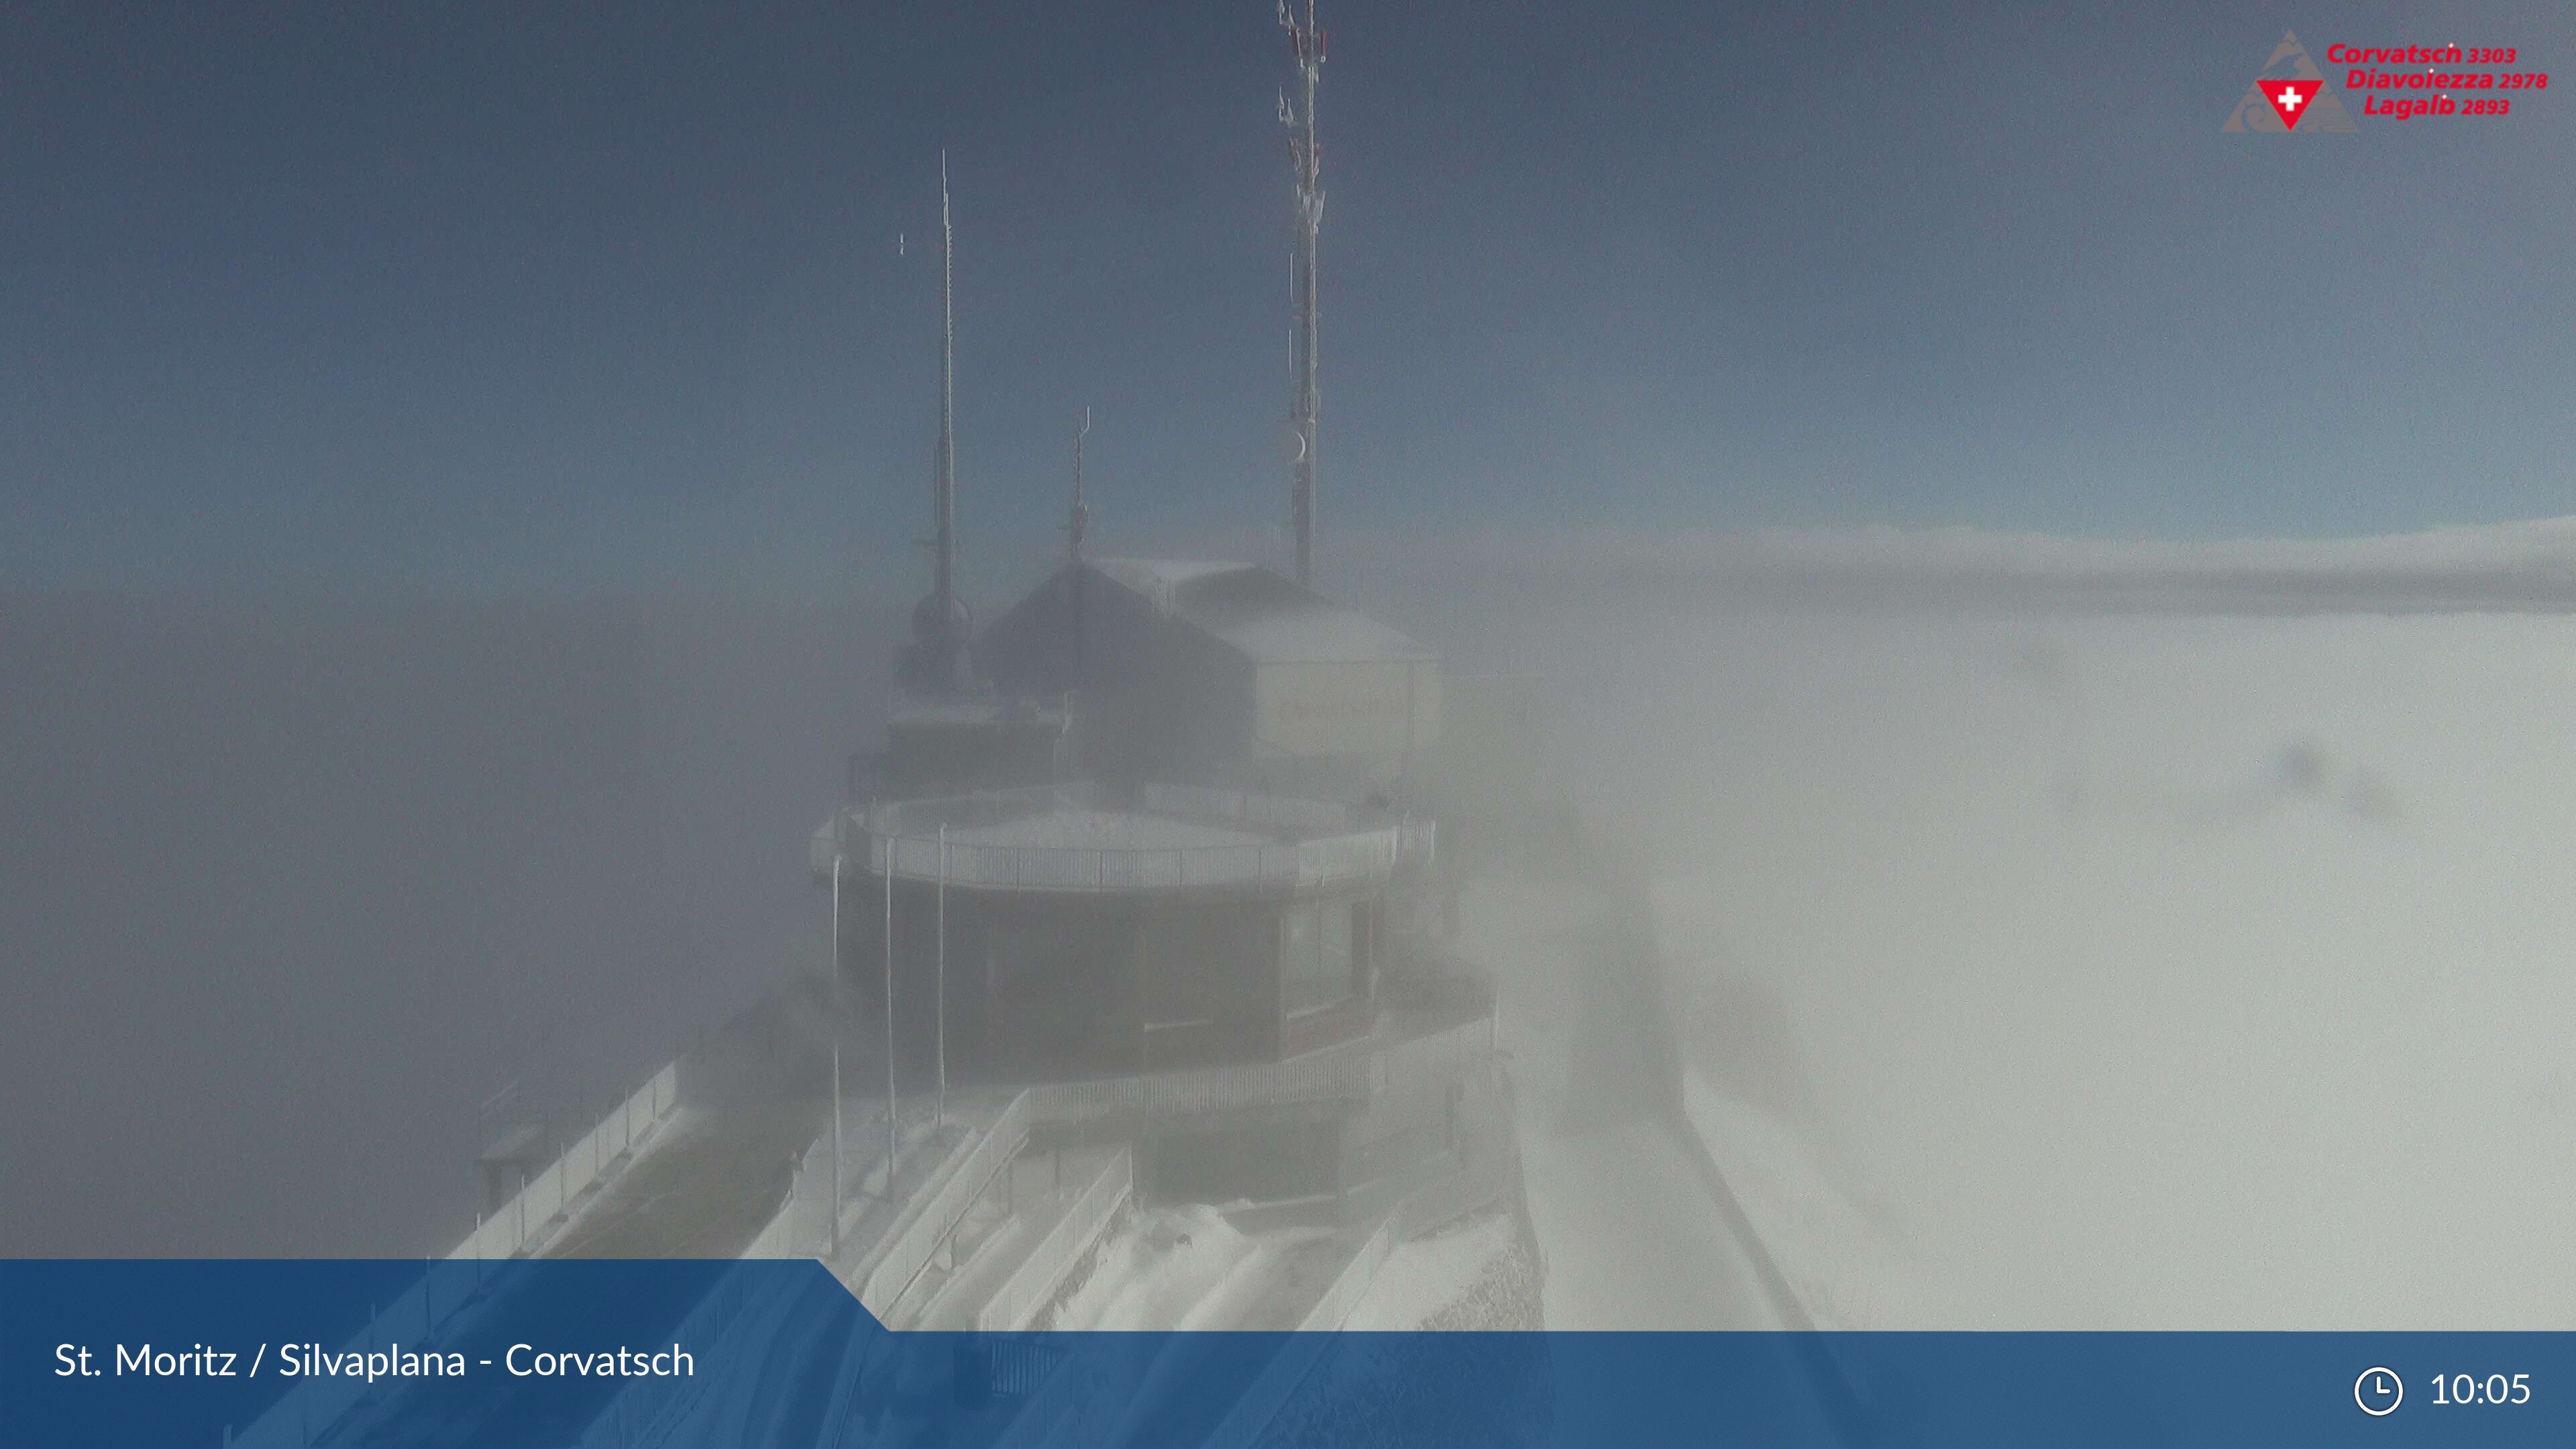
{"x":831,"y":983}
{"x":939,"y":1112}
{"x":889,"y":1012}
{"x":836,"y":1147}
{"x":944,"y":583}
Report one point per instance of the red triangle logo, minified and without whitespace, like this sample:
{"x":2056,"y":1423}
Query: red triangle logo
{"x":2289,"y":99}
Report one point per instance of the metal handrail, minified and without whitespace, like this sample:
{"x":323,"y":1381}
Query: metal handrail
{"x":1354,"y":856}
{"x":1321,"y":842}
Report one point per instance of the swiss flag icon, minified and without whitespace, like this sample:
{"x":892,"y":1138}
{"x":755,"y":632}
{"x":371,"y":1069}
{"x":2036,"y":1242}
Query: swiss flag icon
{"x":2290,"y":98}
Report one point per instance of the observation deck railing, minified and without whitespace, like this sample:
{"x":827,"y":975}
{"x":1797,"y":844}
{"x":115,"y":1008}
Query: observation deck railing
{"x":1319,"y":843}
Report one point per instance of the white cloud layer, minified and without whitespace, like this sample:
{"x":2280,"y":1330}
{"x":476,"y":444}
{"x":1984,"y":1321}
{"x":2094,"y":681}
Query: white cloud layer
{"x":2527,"y":565}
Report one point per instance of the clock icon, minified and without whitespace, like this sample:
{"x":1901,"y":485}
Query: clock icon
{"x":2378,"y":1391}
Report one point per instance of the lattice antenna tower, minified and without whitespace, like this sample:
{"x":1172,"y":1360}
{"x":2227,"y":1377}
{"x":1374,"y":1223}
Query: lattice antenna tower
{"x":1306,"y":44}
{"x":1079,"y":522}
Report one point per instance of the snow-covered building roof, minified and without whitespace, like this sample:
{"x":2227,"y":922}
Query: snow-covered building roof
{"x":1251,"y":609}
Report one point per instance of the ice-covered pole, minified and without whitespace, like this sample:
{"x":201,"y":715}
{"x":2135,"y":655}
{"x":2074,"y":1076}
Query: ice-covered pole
{"x":889,"y":1012}
{"x":836,"y":1149}
{"x":1306,"y":405}
{"x":939,"y":1024}
{"x":1079,"y":523}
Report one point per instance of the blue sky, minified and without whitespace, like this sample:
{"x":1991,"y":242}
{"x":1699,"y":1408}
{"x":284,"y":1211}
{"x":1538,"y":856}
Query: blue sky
{"x":610,"y":297}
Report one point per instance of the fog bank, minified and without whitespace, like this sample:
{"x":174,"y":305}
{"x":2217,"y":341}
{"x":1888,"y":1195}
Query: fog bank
{"x":295,"y":885}
{"x":2163,"y":973}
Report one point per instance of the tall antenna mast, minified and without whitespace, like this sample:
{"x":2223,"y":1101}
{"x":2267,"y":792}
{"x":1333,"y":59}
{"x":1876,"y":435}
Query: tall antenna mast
{"x":1307,"y":43}
{"x":944,"y":580}
{"x":1080,"y":522}
{"x":936,"y":658}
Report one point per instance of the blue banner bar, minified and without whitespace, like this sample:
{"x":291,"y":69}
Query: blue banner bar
{"x":624,"y":1355}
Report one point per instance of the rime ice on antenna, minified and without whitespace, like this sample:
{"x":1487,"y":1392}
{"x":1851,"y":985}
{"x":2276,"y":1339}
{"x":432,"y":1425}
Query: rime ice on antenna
{"x":1079,"y":522}
{"x":1306,"y":43}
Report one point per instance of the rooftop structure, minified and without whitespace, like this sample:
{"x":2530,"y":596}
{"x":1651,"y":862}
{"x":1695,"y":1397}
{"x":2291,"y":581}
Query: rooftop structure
{"x":1253,"y":610}
{"x":1218,"y":672}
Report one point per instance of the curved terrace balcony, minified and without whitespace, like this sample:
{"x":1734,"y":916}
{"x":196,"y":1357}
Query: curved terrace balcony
{"x":1074,"y":838}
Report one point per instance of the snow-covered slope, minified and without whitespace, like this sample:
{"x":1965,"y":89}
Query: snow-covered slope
{"x":1183,"y":1267}
{"x":1631,"y":1235}
{"x":1427,"y":1282}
